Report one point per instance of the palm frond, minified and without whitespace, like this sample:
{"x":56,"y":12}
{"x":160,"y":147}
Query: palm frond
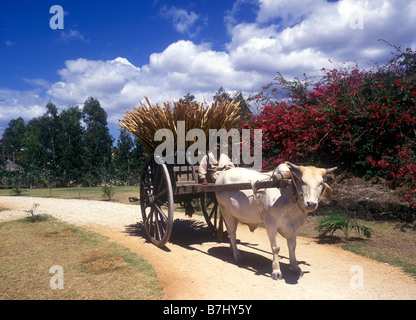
{"x":334,"y":220}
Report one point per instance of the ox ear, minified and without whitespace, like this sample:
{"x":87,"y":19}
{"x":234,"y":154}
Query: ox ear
{"x":328,"y":175}
{"x":327,"y":191}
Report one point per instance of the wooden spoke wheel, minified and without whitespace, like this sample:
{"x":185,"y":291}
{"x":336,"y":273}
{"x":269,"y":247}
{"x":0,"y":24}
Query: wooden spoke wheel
{"x":212,"y":214}
{"x":156,"y":201}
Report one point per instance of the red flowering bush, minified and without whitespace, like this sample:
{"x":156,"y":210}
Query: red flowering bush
{"x":286,"y":135}
{"x":363,"y":120}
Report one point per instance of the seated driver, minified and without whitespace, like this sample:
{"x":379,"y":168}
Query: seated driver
{"x":211,"y":166}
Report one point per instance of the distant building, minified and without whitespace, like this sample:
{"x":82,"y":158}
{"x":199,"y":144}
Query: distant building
{"x":11,"y":166}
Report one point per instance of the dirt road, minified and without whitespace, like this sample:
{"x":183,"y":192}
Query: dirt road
{"x":193,"y":265}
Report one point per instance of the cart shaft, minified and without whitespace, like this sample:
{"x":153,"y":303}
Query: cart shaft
{"x":278,"y":180}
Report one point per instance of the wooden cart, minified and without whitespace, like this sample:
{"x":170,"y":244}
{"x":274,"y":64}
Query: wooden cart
{"x":163,"y":185}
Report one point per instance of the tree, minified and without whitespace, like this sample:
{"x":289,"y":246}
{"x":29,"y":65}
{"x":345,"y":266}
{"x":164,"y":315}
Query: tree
{"x":221,"y":94}
{"x":245,"y":112}
{"x":93,"y":114}
{"x":98,"y":141}
{"x":189,"y":97}
{"x":123,"y":157}
{"x":52,"y":148}
{"x":138,"y":156}
{"x":12,"y":139}
{"x":51,"y":118}
{"x":128,"y":159}
{"x":51,"y":124}
{"x":72,"y":145}
{"x":34,"y":155}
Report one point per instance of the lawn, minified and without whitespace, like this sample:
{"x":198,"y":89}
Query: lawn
{"x":50,"y":259}
{"x":121,"y":193}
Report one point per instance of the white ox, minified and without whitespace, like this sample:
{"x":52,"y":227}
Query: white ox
{"x":282,"y":210}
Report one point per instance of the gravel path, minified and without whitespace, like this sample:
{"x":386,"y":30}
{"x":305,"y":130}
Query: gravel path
{"x":100,"y":214}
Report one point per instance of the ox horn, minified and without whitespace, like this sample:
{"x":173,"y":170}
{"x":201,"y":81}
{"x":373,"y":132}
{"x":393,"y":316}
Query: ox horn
{"x":293,"y":166}
{"x":330,"y":170}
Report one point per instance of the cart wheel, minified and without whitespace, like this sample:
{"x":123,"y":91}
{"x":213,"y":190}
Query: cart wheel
{"x":213,"y":215}
{"x":156,"y":202}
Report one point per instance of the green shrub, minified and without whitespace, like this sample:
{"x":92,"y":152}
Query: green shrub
{"x":17,"y":191}
{"x":34,"y":217}
{"x":335,"y":220}
{"x":108,"y":191}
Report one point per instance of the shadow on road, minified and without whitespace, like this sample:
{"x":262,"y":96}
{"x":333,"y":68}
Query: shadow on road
{"x":188,"y":233}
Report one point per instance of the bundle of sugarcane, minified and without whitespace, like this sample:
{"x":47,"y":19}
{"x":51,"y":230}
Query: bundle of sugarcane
{"x":145,"y":120}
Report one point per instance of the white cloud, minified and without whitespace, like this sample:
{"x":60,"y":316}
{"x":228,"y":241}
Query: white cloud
{"x":294,"y":37}
{"x":83,"y":78}
{"x":119,"y":85}
{"x":286,"y":12}
{"x":182,"y":67}
{"x":183,"y":22}
{"x":73,"y":35}
{"x":196,"y":66}
{"x":9,"y":43}
{"x":38,"y":82}
{"x":15,"y":103}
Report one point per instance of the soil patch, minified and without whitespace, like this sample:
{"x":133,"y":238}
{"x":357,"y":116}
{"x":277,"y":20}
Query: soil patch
{"x":368,"y":199}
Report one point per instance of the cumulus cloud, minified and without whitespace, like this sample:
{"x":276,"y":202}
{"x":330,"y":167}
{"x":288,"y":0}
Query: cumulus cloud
{"x":38,"y":82}
{"x":182,"y":67}
{"x":105,"y":80}
{"x":73,"y":35}
{"x":15,"y":103}
{"x":301,"y":36}
{"x":286,"y":12}
{"x":183,"y":22}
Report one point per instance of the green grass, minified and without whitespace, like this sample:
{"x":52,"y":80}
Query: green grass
{"x":391,"y":242}
{"x":405,"y":262}
{"x":93,"y":267}
{"x":121,"y":193}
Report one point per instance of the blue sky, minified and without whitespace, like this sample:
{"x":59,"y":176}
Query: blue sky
{"x":121,"y":51}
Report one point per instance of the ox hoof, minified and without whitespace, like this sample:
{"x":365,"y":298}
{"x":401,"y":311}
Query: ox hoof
{"x":298,"y":271}
{"x":276,"y":275}
{"x":238,"y":257}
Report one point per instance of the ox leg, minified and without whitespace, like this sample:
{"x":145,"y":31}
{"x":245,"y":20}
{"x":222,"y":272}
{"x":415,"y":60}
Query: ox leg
{"x":274,"y":242}
{"x":231,"y":224}
{"x":291,"y":244}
